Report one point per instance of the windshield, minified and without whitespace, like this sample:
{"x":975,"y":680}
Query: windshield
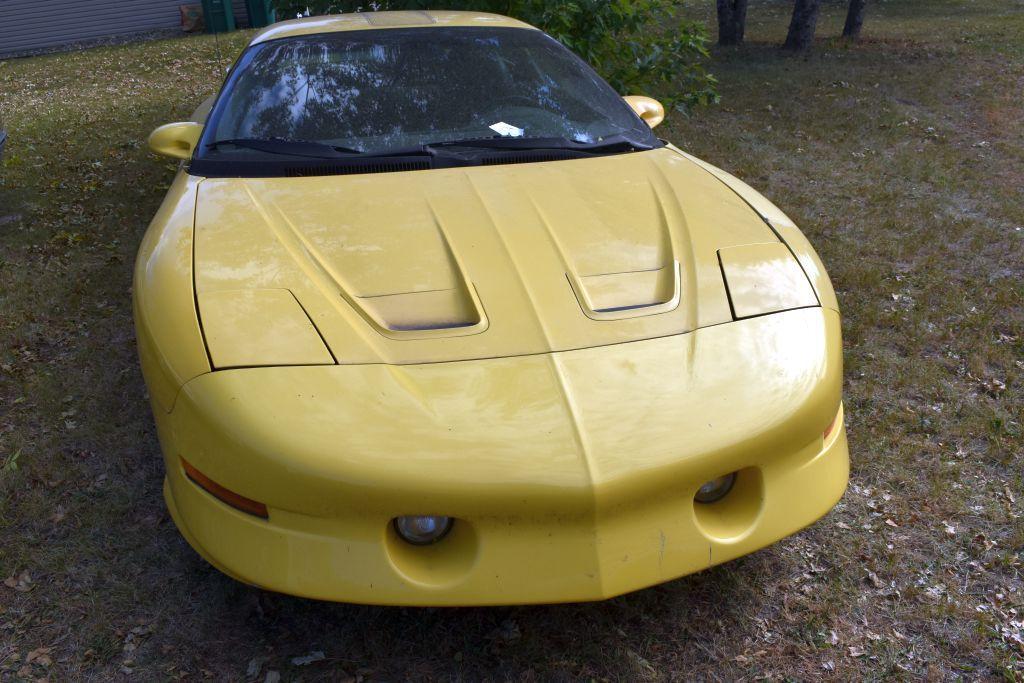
{"x":375,"y":91}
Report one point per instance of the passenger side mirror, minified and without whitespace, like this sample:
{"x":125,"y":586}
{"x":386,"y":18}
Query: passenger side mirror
{"x":647,"y":108}
{"x":176,"y":140}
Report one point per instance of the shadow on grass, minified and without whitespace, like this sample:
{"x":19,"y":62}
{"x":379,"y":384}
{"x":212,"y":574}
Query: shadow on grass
{"x":579,"y":640}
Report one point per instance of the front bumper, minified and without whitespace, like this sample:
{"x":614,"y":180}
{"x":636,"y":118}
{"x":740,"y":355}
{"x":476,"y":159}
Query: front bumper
{"x":571,"y":475}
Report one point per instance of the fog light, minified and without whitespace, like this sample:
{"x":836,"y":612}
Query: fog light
{"x":715,"y":489}
{"x":422,"y":529}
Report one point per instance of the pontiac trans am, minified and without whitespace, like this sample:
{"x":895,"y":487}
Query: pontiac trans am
{"x":430,"y":316}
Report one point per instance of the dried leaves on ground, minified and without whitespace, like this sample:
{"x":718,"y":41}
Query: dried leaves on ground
{"x":901,"y":156}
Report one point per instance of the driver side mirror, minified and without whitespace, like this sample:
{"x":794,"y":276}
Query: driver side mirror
{"x":176,"y":140}
{"x":647,"y":108}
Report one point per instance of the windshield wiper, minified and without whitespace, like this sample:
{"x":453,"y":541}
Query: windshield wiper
{"x":455,"y":149}
{"x":317,"y":150}
{"x":611,"y":143}
{"x":298,"y":148}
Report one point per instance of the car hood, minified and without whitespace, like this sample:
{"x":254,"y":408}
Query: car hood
{"x":464,"y":263}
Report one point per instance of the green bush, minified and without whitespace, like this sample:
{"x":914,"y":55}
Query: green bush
{"x":640,"y":46}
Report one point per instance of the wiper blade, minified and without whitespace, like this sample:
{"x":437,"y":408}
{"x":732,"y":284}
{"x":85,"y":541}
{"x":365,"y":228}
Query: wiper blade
{"x":318,"y":150}
{"x":458,"y":150}
{"x":611,"y":143}
{"x":298,"y":148}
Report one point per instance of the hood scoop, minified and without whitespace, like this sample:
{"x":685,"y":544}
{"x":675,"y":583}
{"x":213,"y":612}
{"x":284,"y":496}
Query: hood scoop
{"x":617,"y":248}
{"x":432,"y":311}
{"x":401,"y":274}
{"x":615,"y":296}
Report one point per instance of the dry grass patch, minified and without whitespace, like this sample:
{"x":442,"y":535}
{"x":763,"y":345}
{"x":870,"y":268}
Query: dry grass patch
{"x":901,"y":157}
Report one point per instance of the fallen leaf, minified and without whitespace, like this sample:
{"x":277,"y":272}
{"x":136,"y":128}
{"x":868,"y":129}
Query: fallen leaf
{"x":40,"y":656}
{"x":21,"y":582}
{"x":875,"y":581}
{"x":315,"y":656}
{"x":994,"y":386}
{"x":255,"y":665}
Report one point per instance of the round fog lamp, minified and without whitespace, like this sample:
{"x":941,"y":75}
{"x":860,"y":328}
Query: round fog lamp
{"x":715,"y":489}
{"x":422,"y":529}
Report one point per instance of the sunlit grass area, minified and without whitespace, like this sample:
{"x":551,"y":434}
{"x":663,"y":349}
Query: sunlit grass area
{"x":902,"y":157}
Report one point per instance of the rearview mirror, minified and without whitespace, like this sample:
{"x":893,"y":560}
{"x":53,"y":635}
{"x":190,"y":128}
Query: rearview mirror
{"x":647,"y":108}
{"x":177,"y":140}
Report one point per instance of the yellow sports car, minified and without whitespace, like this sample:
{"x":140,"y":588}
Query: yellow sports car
{"x":430,"y":316}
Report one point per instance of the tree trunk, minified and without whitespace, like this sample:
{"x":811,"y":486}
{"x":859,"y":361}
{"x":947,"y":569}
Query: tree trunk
{"x":740,"y":17}
{"x":732,"y":19}
{"x":801,"y":27}
{"x":854,"y":19}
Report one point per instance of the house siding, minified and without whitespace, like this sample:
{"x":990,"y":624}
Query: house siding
{"x":27,"y":25}
{"x":241,"y":15}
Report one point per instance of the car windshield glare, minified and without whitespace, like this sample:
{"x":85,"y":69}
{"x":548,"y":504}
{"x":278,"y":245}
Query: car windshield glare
{"x":374,"y":91}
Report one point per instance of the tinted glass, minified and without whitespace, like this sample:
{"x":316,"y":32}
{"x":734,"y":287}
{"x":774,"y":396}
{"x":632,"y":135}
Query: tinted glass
{"x":377,"y":90}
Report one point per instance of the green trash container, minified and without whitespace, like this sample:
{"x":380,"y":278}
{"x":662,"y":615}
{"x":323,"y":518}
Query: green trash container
{"x":218,"y":15}
{"x":261,"y":13}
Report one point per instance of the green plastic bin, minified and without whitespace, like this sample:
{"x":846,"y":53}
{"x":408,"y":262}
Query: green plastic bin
{"x":261,"y":13}
{"x":219,"y":16}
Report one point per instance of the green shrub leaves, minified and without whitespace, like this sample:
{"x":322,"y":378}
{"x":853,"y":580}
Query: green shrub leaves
{"x":640,"y":46}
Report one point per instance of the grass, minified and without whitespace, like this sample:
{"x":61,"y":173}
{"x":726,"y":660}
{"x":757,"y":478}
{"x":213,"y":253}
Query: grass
{"x":902,"y":157}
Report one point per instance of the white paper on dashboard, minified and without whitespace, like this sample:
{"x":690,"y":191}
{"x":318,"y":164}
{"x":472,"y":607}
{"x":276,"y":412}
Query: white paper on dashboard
{"x":507,"y":130}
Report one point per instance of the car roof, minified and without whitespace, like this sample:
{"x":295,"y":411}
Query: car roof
{"x":357,"y":21}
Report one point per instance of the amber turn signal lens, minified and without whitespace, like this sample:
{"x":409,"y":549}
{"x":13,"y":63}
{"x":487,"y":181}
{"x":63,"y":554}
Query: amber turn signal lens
{"x":831,"y":427}
{"x":235,"y":500}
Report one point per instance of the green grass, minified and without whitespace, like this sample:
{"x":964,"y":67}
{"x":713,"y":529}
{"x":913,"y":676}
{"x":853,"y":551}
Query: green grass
{"x":902,"y":158}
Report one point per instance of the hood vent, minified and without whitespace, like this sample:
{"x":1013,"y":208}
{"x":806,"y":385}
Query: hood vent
{"x":530,"y":157}
{"x":615,"y":296}
{"x":353,"y":167}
